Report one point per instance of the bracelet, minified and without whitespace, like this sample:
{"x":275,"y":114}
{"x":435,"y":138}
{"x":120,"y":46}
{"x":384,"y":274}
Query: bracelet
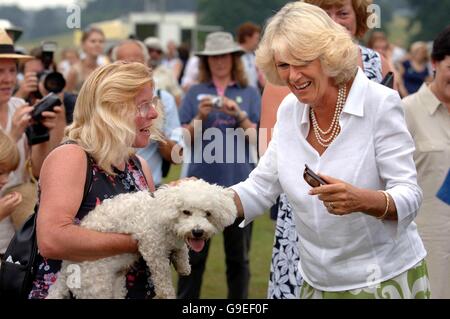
{"x":387,"y":205}
{"x":239,"y":121}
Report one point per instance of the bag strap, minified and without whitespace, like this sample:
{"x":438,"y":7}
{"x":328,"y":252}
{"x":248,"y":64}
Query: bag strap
{"x":24,"y":243}
{"x":88,"y":180}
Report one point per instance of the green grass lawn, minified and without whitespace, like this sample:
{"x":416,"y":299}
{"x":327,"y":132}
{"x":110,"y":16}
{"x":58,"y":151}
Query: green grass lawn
{"x":214,"y":280}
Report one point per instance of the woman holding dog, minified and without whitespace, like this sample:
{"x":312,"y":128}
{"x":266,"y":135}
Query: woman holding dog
{"x":357,"y":238}
{"x":115,"y":112}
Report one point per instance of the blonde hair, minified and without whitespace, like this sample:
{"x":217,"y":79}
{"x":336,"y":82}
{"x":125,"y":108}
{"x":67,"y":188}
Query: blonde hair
{"x":359,"y":6}
{"x":105,"y":110}
{"x":418,"y":47}
{"x":302,"y":32}
{"x":9,"y":154}
{"x":237,"y":70}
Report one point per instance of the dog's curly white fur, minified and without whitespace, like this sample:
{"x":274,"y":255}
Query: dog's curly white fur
{"x":163,"y":225}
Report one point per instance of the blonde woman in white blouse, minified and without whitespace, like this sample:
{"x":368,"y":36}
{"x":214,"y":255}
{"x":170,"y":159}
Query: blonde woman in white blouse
{"x":357,"y":235}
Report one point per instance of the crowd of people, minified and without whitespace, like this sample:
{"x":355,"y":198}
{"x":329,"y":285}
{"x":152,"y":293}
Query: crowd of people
{"x":246,"y":112}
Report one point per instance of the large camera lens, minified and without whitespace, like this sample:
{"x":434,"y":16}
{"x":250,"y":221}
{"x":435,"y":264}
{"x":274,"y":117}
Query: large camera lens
{"x":54,"y":82}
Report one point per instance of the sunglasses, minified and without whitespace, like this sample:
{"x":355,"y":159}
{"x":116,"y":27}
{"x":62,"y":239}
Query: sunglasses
{"x":312,"y":178}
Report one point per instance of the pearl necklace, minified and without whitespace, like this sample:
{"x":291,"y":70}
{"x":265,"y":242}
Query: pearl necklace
{"x":334,"y":128}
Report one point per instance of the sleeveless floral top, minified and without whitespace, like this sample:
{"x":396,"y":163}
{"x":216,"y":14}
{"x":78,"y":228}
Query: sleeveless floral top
{"x":103,"y":186}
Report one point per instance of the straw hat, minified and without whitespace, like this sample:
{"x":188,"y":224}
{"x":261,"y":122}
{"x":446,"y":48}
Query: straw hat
{"x":7,"y":48}
{"x":218,"y":43}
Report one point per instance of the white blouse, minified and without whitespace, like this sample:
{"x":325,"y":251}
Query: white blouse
{"x":373,"y":151}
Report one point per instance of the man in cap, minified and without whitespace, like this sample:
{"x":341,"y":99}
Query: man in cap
{"x":162,"y":75}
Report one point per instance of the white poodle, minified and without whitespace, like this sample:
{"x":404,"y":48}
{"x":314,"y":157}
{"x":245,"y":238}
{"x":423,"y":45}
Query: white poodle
{"x":189,"y":213}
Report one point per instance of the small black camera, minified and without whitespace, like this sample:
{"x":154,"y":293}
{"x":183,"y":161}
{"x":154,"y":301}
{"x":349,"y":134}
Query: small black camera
{"x":37,"y":133}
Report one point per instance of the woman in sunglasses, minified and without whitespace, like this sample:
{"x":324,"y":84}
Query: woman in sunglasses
{"x":357,"y":238}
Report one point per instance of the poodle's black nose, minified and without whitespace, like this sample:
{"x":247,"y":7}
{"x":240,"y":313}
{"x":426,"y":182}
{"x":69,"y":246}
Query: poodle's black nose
{"x":197,"y":233}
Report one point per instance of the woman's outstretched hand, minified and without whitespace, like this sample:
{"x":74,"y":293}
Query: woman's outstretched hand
{"x":339,"y":197}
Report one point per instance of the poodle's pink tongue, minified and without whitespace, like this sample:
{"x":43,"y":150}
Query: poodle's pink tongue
{"x":196,"y":244}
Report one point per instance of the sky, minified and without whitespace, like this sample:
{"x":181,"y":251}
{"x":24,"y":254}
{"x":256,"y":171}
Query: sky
{"x":37,"y":4}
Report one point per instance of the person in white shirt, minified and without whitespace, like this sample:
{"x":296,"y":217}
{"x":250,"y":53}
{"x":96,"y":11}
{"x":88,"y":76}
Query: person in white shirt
{"x":15,"y":117}
{"x":162,"y":75}
{"x":190,"y":76}
{"x":248,"y":35}
{"x":357,"y":238}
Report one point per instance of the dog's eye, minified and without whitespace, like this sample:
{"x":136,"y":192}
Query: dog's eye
{"x":208,"y":213}
{"x":186,"y":212}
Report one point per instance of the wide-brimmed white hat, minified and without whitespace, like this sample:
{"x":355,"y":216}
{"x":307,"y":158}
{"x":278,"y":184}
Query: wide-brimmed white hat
{"x":7,"y":48}
{"x":14,"y":31}
{"x":153,"y":43}
{"x":218,"y":43}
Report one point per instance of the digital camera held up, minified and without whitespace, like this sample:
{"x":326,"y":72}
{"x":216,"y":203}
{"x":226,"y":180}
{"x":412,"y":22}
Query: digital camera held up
{"x":37,"y":133}
{"x":217,"y":101}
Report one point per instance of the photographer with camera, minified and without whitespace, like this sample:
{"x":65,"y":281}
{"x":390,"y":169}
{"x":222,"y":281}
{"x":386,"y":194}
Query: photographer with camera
{"x":15,"y":117}
{"x":41,"y":78}
{"x":225,"y":104}
{"x":34,"y":71}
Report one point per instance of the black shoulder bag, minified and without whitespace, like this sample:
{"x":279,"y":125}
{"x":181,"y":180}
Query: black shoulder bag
{"x":17,"y":270}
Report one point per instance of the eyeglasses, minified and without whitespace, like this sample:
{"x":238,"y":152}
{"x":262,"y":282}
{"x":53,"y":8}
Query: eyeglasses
{"x":144,"y":108}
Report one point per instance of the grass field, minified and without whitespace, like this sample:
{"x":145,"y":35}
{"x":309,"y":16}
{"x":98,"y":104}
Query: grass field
{"x":214,"y":280}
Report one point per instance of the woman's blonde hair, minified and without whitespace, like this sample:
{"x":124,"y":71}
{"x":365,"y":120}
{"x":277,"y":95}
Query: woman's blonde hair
{"x":237,"y":70}
{"x":9,"y":154}
{"x":103,"y":123}
{"x":359,"y":6}
{"x":420,"y":47}
{"x":302,"y":32}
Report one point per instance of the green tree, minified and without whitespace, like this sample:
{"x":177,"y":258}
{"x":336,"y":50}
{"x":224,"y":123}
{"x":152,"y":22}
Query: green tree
{"x":230,"y":14}
{"x":432,"y":16}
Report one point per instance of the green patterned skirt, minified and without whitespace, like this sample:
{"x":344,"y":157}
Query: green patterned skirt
{"x":412,"y":284}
